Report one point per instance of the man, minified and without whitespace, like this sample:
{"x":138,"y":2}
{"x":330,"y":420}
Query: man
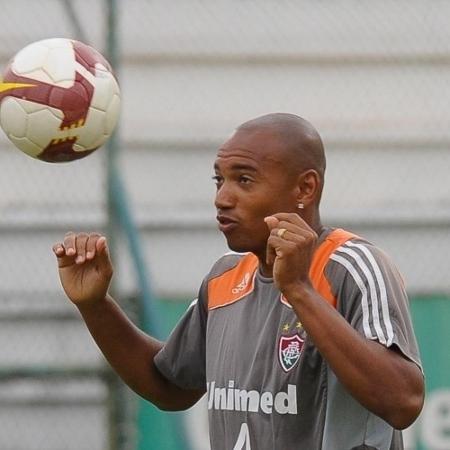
{"x":302,"y":339}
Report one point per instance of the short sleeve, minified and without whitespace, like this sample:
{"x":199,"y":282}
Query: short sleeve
{"x":182,"y":358}
{"x":371,"y":295}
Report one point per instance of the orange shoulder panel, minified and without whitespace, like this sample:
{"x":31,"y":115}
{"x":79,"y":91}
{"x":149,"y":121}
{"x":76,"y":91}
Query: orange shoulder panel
{"x":233,"y":284}
{"x":239,"y":281}
{"x":320,"y":259}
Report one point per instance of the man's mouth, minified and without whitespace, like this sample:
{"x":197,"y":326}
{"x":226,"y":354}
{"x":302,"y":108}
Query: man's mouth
{"x":226,"y":223}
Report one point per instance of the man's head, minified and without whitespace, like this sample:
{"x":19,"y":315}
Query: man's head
{"x":271,"y":164}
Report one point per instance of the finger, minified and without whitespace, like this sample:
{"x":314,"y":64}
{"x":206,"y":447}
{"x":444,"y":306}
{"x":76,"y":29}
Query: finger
{"x":80,"y":245}
{"x":293,"y":228}
{"x":271,"y":222}
{"x":270,"y":252}
{"x":297,"y":240}
{"x":286,"y":231}
{"x":58,"y":250}
{"x":102,"y":249}
{"x":101,"y":245}
{"x":69,"y":244}
{"x":91,"y":245}
{"x":277,"y":244}
{"x":301,"y":239}
{"x":103,"y":253}
{"x":283,"y":233}
{"x":63,"y":259}
{"x":280,"y":246}
{"x":290,"y":217}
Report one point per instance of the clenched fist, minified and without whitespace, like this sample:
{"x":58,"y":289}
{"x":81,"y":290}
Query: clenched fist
{"x":85,"y":269}
{"x":290,"y":248}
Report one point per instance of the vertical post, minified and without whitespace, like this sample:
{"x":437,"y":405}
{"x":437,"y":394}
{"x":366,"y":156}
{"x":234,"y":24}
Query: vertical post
{"x":118,"y":405}
{"x":112,"y":153}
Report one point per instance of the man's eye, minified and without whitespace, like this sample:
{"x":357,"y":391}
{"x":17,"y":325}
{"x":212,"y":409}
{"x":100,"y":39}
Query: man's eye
{"x":217,"y":179}
{"x":245,"y":179}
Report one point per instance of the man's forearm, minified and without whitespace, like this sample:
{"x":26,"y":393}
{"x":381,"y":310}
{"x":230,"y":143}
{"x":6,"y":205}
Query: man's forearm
{"x":130,"y":352}
{"x":381,"y":379}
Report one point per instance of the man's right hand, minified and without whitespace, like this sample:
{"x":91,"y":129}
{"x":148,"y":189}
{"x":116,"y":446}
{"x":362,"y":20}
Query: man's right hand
{"x":85,"y":269}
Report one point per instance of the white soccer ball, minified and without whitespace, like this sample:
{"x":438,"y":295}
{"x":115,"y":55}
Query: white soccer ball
{"x":59,"y":100}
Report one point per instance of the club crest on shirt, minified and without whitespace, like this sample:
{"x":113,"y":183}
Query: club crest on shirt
{"x":289,"y":350}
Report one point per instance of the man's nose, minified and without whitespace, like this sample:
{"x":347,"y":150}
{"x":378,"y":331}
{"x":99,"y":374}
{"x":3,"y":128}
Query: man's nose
{"x":225,"y":197}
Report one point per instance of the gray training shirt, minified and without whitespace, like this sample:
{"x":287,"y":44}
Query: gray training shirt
{"x":267,"y":385}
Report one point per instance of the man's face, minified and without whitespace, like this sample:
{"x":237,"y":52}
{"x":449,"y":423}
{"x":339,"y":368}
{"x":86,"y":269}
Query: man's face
{"x":253,"y":182}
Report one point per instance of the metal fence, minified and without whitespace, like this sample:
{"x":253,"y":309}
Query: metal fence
{"x":372,"y":77}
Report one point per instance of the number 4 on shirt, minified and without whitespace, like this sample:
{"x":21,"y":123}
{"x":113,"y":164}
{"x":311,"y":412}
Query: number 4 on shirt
{"x":243,"y":440}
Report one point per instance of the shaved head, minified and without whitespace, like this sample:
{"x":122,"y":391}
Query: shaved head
{"x":272,"y":164}
{"x":301,"y":141}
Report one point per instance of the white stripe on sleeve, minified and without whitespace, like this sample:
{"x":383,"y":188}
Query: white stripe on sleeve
{"x":383,"y":292}
{"x":362,"y":287}
{"x":373,"y":297}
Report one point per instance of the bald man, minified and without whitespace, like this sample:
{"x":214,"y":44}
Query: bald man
{"x":301,"y":336}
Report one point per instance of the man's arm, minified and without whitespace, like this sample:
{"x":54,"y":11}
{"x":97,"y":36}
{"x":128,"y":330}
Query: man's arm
{"x":380,"y":378}
{"x":85,"y":271}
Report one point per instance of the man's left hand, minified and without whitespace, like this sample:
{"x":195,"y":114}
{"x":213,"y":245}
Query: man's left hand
{"x":289,"y":249}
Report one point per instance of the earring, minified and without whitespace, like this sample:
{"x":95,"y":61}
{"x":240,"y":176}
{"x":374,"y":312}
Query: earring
{"x":300,"y":205}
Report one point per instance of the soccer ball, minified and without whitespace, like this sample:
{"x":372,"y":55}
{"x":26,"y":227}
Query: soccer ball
{"x":59,"y":100}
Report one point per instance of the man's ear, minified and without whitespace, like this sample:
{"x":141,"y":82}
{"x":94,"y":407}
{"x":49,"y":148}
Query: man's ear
{"x":309,"y":188}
